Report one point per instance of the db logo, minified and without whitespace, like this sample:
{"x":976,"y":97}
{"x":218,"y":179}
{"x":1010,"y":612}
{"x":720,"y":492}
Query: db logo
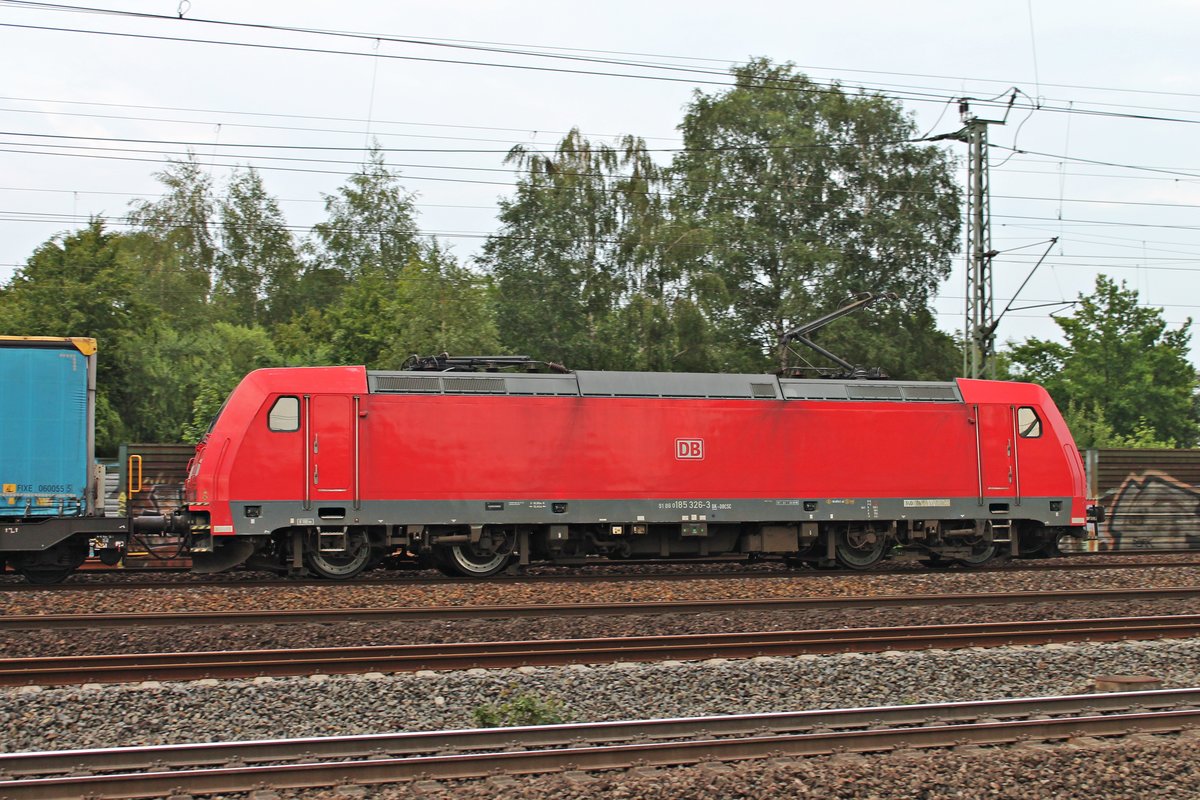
{"x":689,"y":449}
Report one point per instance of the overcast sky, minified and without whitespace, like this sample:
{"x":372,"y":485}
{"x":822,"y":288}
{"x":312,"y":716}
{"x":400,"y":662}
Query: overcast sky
{"x":1116,"y":179}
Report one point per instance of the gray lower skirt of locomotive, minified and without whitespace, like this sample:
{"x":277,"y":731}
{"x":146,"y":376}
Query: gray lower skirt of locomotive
{"x":262,"y":518}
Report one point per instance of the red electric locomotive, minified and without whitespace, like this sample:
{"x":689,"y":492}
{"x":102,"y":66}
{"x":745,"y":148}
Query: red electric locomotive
{"x":333,"y":469}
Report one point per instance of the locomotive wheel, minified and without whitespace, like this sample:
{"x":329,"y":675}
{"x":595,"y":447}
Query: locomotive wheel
{"x":1042,"y":543}
{"x":860,"y":548}
{"x":489,"y":555}
{"x":339,"y":566}
{"x":983,"y":549}
{"x":464,"y":559}
{"x":981,"y":553}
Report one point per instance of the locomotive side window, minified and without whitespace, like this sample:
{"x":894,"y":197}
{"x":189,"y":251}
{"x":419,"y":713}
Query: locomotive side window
{"x":285,"y":415}
{"x":1029,"y":424}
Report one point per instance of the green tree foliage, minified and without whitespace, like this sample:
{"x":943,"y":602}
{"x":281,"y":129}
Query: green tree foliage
{"x":188,"y":373}
{"x":366,"y":257}
{"x":144,"y":296}
{"x":809,"y":194}
{"x":585,"y":261}
{"x":177,"y":250}
{"x":81,"y":284}
{"x":1143,"y":436}
{"x":306,"y":339}
{"x":361,"y":319}
{"x":788,"y":198}
{"x":257,"y":268}
{"x":218,"y":358}
{"x":905,"y":342}
{"x":441,"y":307}
{"x":1091,"y":429}
{"x":432,"y":305}
{"x":1122,"y":375}
{"x":371,"y":224}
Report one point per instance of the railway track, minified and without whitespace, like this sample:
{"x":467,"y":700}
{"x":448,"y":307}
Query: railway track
{"x":407,"y":613}
{"x":60,"y":670}
{"x":199,"y":769}
{"x":96,"y":580}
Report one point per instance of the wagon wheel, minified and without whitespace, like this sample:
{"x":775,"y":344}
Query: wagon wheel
{"x":52,"y":565}
{"x":860,"y":547}
{"x":46,"y":576}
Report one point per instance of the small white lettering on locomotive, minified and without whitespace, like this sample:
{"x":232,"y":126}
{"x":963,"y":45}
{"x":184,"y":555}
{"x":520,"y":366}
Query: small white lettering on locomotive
{"x":680,"y":505}
{"x":689,"y":449}
{"x":943,"y":503}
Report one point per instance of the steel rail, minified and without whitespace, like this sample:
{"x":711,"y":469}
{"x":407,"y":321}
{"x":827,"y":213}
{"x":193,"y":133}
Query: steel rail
{"x":681,"y":749}
{"x":404,"y":580}
{"x":97,"y":621}
{"x":550,"y":652}
{"x":181,"y":756}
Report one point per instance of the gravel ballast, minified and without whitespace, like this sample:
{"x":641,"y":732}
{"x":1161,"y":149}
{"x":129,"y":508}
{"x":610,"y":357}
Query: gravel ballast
{"x":241,"y":597}
{"x":1164,"y":768}
{"x":1130,"y":767}
{"x":128,"y":598}
{"x":183,"y":638}
{"x":101,"y":716}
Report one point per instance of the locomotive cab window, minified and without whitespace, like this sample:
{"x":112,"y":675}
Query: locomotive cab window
{"x":1029,"y":424}
{"x":285,"y":414}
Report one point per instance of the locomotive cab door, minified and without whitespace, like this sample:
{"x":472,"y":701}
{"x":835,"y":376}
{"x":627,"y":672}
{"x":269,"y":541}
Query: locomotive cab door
{"x":332,"y":449}
{"x":995,"y":450}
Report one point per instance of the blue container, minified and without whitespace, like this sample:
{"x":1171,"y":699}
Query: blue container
{"x":47,"y":418}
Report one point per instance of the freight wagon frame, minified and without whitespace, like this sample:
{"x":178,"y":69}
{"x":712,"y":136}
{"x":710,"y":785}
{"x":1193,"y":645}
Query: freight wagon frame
{"x":51,"y":506}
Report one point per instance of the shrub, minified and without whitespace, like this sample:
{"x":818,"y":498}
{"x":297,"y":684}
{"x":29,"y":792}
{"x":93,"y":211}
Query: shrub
{"x":523,"y":709}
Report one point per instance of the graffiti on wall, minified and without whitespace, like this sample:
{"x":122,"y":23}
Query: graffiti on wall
{"x":1152,"y":510}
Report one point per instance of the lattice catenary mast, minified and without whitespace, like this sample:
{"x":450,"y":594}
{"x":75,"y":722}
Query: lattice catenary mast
{"x":979,"y":338}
